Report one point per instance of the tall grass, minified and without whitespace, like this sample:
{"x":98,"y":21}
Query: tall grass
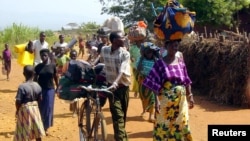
{"x":19,"y":34}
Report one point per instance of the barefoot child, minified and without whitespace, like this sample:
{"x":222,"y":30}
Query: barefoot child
{"x":29,"y":125}
{"x":144,"y":65}
{"x":7,"y":60}
{"x":73,"y":106}
{"x":61,"y":61}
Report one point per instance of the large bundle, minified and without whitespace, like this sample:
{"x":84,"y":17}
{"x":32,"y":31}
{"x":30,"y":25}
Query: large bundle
{"x":138,"y":31}
{"x":220,"y":70}
{"x":173,"y":22}
{"x":114,"y":23}
{"x":80,"y":73}
{"x":69,"y":90}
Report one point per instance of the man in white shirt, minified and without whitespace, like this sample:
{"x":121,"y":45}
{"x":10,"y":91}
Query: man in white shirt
{"x":37,"y":46}
{"x":60,"y":43}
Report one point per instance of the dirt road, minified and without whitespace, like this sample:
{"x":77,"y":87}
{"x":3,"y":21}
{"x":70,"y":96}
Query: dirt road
{"x":138,"y":128}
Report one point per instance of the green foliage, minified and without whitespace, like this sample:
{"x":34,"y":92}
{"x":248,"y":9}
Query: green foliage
{"x":217,"y":12}
{"x":89,"y":28}
{"x":131,"y":10}
{"x":19,"y":34}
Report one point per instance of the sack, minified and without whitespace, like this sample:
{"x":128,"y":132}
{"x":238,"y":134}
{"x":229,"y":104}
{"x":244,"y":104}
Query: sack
{"x":25,"y":58}
{"x":173,"y":22}
{"x":115,"y":24}
{"x":137,"y":33}
{"x":68,"y":90}
{"x":4,"y":72}
{"x":77,"y":70}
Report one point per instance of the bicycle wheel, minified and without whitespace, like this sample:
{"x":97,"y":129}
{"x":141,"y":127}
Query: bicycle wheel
{"x":100,"y":132}
{"x":85,"y":120}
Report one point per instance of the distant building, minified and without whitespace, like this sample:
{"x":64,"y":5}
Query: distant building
{"x":71,"y":28}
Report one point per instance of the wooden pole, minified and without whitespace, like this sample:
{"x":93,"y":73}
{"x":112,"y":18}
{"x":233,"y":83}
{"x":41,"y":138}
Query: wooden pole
{"x":205,"y":29}
{"x":222,"y":38}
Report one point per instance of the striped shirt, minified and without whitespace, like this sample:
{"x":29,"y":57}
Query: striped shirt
{"x":115,"y":63}
{"x":161,"y":72}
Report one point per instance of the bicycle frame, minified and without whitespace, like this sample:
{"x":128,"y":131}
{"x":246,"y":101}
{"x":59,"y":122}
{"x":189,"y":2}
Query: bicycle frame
{"x":92,"y":100}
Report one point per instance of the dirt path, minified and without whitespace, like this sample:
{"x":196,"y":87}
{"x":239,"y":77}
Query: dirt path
{"x":138,"y":128}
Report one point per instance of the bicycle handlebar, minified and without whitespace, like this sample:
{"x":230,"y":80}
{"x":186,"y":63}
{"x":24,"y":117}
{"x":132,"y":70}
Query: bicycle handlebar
{"x":89,"y":89}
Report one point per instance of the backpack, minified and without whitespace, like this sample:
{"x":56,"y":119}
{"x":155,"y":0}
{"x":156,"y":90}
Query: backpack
{"x":77,"y":70}
{"x":173,"y":22}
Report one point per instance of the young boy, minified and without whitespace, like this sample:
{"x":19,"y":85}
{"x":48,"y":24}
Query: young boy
{"x":7,"y":60}
{"x":73,"y":106}
{"x":61,"y":61}
{"x":29,"y":124}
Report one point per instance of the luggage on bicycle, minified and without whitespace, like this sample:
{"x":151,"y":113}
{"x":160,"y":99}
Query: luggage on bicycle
{"x":95,"y":75}
{"x":77,"y":70}
{"x":68,"y":90}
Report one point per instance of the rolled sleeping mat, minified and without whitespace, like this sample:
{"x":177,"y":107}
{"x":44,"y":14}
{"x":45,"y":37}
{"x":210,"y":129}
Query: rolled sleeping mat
{"x":72,"y":43}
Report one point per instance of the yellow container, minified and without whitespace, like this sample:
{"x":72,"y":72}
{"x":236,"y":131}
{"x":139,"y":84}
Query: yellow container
{"x":20,"y":48}
{"x":25,"y":58}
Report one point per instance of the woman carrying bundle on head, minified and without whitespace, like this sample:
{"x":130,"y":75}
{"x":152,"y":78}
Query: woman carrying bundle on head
{"x":173,"y":97}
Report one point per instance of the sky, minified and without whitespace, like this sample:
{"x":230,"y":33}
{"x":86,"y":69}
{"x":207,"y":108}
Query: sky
{"x":50,"y":14}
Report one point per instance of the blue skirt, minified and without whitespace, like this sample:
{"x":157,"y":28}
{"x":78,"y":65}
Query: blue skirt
{"x":46,"y":107}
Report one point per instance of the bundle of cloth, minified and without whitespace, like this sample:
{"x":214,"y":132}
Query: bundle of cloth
{"x":174,"y":21}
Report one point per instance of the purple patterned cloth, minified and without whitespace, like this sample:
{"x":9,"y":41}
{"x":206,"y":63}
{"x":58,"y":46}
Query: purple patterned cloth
{"x":161,"y":72}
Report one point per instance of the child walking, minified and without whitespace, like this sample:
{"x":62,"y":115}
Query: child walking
{"x":61,"y":61}
{"x":144,"y":64}
{"x":6,"y":62}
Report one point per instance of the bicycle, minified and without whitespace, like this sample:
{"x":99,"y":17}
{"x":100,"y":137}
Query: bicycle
{"x":89,"y":125}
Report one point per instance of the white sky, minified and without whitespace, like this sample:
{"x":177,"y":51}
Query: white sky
{"x":50,"y":14}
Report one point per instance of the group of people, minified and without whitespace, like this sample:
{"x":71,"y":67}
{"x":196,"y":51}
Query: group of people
{"x":160,"y":79}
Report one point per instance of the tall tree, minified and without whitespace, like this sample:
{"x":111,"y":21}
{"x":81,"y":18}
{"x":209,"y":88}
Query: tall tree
{"x":131,"y":10}
{"x":216,"y":12}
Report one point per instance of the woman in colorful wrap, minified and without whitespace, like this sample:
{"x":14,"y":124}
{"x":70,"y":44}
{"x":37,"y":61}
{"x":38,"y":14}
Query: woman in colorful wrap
{"x":170,"y":82}
{"x":46,"y":76}
{"x":29,"y":124}
{"x":144,"y":64}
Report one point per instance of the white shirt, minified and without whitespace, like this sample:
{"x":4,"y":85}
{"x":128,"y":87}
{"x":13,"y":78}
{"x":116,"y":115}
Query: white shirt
{"x":37,"y":47}
{"x":58,"y":44}
{"x":93,"y":54}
